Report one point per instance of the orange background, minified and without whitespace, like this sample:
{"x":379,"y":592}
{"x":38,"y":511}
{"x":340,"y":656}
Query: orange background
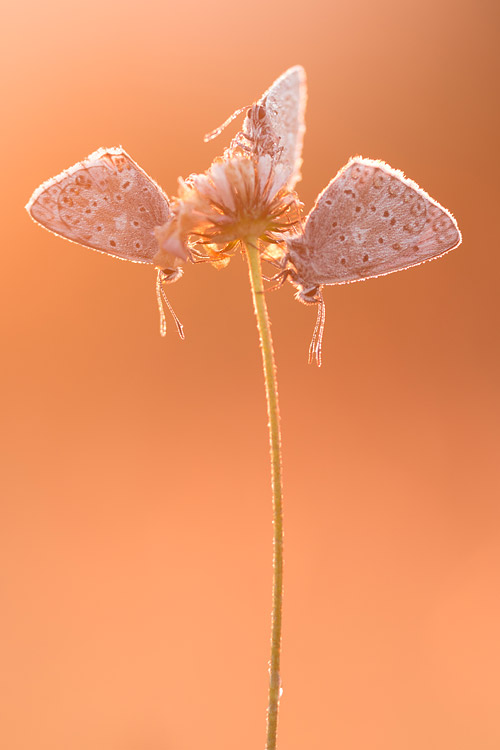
{"x":135,"y":540}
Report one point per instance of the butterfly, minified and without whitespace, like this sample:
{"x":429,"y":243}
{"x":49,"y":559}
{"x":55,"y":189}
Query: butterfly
{"x":369,"y":221}
{"x":274,"y":125}
{"x":108,"y":203}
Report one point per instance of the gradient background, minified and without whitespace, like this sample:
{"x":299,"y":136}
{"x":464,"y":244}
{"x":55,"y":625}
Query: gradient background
{"x":135,"y":540}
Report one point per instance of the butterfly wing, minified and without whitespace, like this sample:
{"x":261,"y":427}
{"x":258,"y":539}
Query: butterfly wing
{"x":284,"y":105}
{"x":106,"y":202}
{"x":369,"y":221}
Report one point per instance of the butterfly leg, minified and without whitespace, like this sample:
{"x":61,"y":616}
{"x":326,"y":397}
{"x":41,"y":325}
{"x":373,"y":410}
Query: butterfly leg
{"x":198,"y":258}
{"x":280,"y":278}
{"x":225,"y":255}
{"x":277,"y":263}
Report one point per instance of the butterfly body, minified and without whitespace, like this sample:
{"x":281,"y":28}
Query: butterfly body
{"x":257,"y":136}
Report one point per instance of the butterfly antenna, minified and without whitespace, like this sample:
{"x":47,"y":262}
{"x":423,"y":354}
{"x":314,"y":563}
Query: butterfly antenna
{"x":317,"y":337}
{"x":210,"y":136}
{"x":162,"y":300}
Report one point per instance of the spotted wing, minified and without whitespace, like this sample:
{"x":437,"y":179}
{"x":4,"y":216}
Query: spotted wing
{"x":106,"y":202}
{"x":369,"y":221}
{"x":284,"y":104}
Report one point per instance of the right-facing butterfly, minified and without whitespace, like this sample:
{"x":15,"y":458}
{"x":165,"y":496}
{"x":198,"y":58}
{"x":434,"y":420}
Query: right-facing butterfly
{"x":369,"y":221}
{"x":108,"y":203}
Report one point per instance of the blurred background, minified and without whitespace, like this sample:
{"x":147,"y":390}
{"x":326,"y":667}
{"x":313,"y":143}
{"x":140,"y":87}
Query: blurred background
{"x":135,"y":535}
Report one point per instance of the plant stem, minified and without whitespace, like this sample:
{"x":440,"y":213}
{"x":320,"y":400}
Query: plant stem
{"x":266,"y":345}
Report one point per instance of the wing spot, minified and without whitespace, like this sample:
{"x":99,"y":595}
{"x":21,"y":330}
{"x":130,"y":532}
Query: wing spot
{"x":380,"y":240}
{"x":126,"y":184}
{"x":395,"y":188}
{"x":88,"y":211}
{"x":396,"y":246}
{"x":328,"y":203}
{"x":358,"y":209}
{"x":99,"y":229}
{"x":342,"y":260}
{"x":141,"y":209}
{"x":118,"y":197}
{"x":392,"y":221}
{"x":112,"y":243}
{"x":386,"y":214}
{"x":415,"y":248}
{"x":350,"y":193}
{"x":135,"y":223}
{"x":138,"y":245}
{"x":334,"y":224}
{"x":342,"y":237}
{"x":365,"y":258}
{"x":373,"y":208}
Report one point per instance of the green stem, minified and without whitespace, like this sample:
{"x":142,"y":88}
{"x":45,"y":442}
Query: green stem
{"x":266,"y":345}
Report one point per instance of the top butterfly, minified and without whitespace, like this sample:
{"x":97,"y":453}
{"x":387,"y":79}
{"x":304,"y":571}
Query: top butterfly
{"x":275,"y":124}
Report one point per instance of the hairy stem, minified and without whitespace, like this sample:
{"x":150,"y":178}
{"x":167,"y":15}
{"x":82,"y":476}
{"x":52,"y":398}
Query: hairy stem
{"x":266,"y":345}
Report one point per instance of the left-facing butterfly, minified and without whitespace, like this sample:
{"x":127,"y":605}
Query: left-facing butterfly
{"x":369,"y":221}
{"x":108,"y":203}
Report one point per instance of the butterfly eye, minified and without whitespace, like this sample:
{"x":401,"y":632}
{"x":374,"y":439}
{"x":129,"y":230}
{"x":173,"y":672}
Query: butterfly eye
{"x":261,"y":114}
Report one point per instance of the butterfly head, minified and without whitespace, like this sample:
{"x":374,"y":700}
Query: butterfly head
{"x":310,"y":295}
{"x":170,"y":275}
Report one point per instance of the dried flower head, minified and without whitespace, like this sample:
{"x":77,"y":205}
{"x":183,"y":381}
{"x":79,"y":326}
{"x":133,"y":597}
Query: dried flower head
{"x":237,"y":198}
